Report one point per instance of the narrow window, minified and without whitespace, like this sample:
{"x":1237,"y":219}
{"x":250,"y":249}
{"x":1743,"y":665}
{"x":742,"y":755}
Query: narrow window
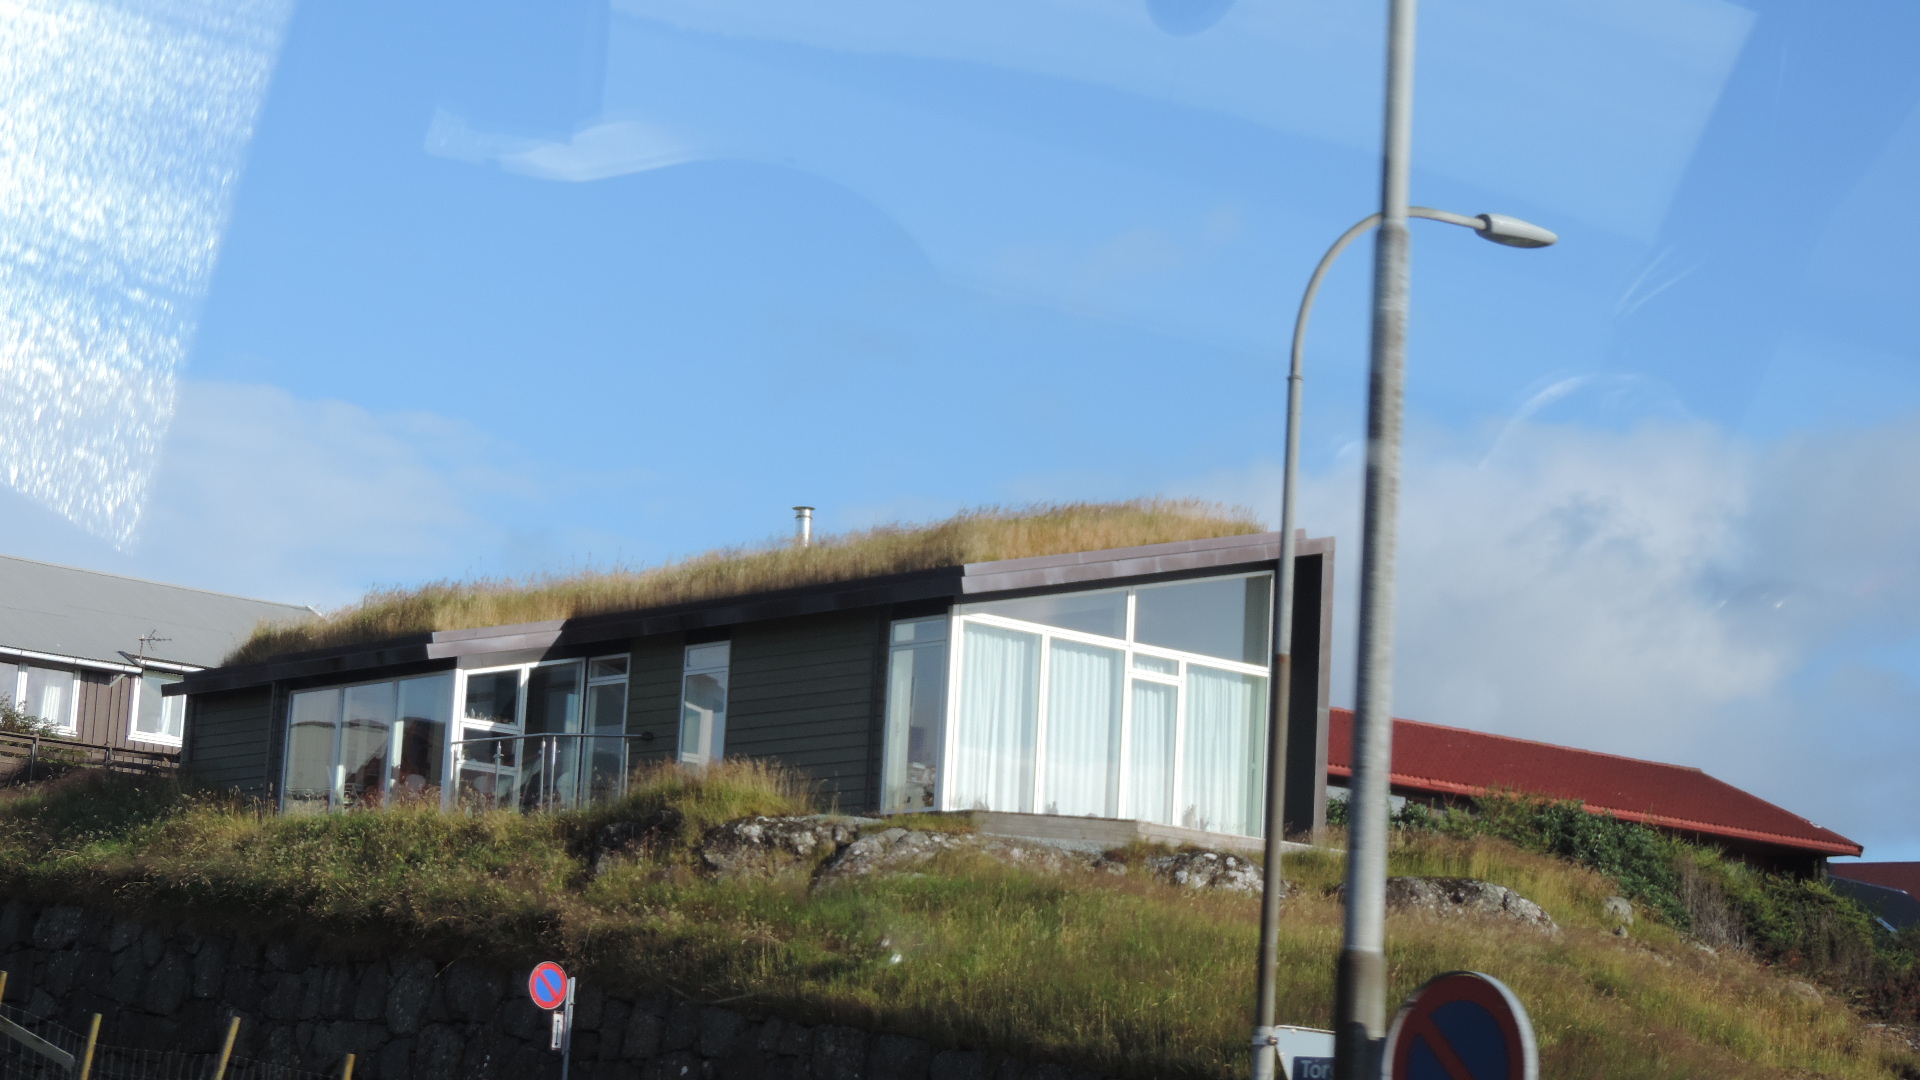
{"x":159,"y":719}
{"x":1156,"y":708}
{"x":606,"y":719}
{"x":916,"y":711}
{"x":703,"y":703}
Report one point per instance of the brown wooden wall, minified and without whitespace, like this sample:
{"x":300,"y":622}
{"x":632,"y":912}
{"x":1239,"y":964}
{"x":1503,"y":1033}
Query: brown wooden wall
{"x":105,"y":711}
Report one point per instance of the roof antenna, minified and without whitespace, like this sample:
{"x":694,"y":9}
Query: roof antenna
{"x":149,"y":639}
{"x":803,"y":526}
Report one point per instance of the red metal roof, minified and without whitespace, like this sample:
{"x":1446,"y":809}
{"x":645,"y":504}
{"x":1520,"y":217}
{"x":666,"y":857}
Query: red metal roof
{"x":1893,"y":875}
{"x":1453,"y":761}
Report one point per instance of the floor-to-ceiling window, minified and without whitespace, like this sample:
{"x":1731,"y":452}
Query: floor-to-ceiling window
{"x":365,"y":744}
{"x":550,"y":735}
{"x":916,"y":702}
{"x":1144,"y":702}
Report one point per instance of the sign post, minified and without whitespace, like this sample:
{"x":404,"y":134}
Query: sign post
{"x":553,"y":990}
{"x":1462,"y":1026}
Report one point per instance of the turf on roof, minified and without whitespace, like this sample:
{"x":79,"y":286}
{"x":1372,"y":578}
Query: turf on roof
{"x":984,"y":535}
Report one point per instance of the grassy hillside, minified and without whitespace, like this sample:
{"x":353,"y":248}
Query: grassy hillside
{"x":975,"y":536}
{"x":1119,"y":973}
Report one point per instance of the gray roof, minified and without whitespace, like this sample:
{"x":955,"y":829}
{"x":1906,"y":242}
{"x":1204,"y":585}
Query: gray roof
{"x":63,"y":611}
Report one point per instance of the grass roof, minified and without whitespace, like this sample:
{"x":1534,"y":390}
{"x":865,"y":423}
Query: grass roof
{"x":983,"y":535}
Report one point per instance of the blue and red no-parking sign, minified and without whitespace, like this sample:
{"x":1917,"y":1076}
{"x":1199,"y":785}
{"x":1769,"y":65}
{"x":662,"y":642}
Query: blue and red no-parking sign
{"x":1462,"y":1026}
{"x":548,"y":985}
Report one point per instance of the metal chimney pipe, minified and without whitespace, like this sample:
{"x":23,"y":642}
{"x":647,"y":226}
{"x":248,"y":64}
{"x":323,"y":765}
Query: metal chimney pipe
{"x":803,"y":525}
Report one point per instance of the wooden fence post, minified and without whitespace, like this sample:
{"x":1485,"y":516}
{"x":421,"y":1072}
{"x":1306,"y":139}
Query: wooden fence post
{"x":93,"y":1036}
{"x":226,"y":1049}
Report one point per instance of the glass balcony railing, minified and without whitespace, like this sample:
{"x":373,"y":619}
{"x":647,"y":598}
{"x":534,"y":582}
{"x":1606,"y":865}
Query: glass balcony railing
{"x":548,"y":772}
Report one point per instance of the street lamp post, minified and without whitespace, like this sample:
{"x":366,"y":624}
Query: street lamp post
{"x":1500,"y":229}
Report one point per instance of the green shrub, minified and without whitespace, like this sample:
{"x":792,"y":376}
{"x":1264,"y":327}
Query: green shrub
{"x":17,"y":721}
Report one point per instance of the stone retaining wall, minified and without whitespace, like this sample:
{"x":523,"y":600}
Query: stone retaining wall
{"x":172,"y":988}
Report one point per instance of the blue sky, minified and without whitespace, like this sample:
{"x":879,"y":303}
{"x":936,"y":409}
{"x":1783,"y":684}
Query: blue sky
{"x":388,"y":293}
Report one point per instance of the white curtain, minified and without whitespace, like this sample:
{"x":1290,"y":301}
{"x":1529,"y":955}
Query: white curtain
{"x":994,"y":733}
{"x":1083,"y":730}
{"x":1150,"y":768}
{"x":1226,"y":751}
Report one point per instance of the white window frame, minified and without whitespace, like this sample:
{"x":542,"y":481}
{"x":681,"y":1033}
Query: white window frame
{"x":956,"y":636}
{"x":161,"y":738}
{"x":68,"y":725}
{"x":687,"y":671}
{"x":946,"y":707}
{"x":575,"y":722}
{"x":395,"y":733}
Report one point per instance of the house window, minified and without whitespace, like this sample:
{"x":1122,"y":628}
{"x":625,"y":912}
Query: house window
{"x":366,"y":744}
{"x":521,"y":734}
{"x":606,"y":718}
{"x":156,"y":718}
{"x":703,"y":703}
{"x":48,"y":694}
{"x":1147,"y":702}
{"x":916,"y":709}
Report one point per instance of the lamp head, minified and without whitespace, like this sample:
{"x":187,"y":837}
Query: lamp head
{"x":1513,"y":232}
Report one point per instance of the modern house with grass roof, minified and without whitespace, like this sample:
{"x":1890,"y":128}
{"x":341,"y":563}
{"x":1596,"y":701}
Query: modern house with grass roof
{"x":1090,"y":663}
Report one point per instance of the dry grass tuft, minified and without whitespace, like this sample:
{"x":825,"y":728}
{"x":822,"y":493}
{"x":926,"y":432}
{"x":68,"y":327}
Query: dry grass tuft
{"x":983,"y":535}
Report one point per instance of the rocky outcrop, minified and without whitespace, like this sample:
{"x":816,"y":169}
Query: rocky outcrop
{"x":1208,"y":870}
{"x":904,"y":850}
{"x":1464,"y":897}
{"x":766,"y":845}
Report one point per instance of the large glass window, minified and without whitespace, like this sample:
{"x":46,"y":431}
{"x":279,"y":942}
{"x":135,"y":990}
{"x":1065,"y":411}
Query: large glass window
{"x":158,"y":718}
{"x":553,"y":705}
{"x":48,"y":693}
{"x":1226,"y":751}
{"x":1082,"y":771}
{"x":314,"y":725}
{"x":1103,"y":613}
{"x":488,"y":755}
{"x":703,"y":703}
{"x":366,"y":739}
{"x":426,"y":706}
{"x":1144,"y":702}
{"x":999,"y":712}
{"x":361,"y":745}
{"x":1223,"y":617}
{"x":916,"y":706}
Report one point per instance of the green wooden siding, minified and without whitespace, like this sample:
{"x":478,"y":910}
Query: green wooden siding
{"x":801,"y":691}
{"x":653,"y":698}
{"x":229,"y":736}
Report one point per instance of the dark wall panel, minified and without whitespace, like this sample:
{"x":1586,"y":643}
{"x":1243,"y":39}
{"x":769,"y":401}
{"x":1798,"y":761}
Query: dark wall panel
{"x":230,"y":739}
{"x":1305,"y":799}
{"x":801,"y":691}
{"x":653,"y":698}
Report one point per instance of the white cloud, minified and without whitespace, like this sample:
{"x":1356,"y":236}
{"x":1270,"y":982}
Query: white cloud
{"x":323,"y":497}
{"x":1668,"y":592}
